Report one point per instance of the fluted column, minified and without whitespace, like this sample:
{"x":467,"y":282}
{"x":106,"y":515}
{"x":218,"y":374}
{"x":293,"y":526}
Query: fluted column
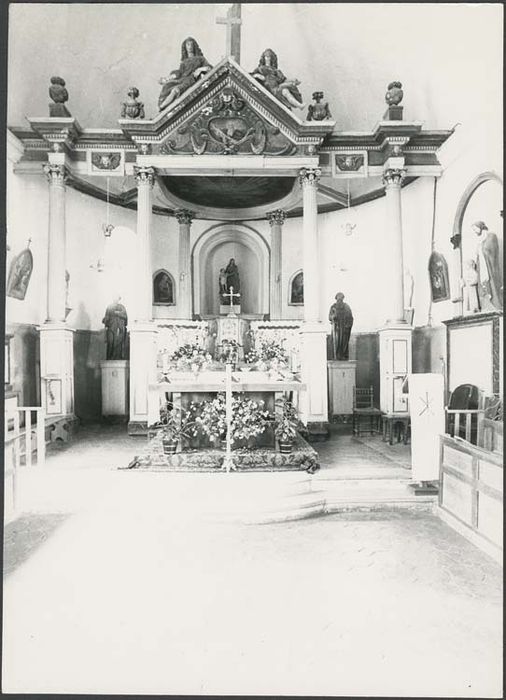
{"x":56,"y":175}
{"x":184,"y":297}
{"x":392,"y":179}
{"x":145,"y":179}
{"x":309,"y":181}
{"x":276,"y":220}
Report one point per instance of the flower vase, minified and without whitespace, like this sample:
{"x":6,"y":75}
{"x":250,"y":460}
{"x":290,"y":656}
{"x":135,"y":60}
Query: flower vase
{"x":285,"y":447}
{"x":169,"y":446}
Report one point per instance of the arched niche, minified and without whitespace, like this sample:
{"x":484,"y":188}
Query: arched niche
{"x":163,"y":288}
{"x":482,"y":200}
{"x":213,"y":250}
{"x":296,"y":289}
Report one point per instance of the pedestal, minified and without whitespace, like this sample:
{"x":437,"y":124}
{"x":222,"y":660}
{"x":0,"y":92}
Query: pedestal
{"x":314,"y":401}
{"x":115,"y":387}
{"x":342,"y":380}
{"x":395,"y":365}
{"x":226,"y":309}
{"x":142,"y":376}
{"x":57,"y":369}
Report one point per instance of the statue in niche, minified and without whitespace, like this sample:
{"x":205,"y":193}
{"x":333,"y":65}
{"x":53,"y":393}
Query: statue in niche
{"x":58,"y":93}
{"x":19,"y":274}
{"x":341,"y":318}
{"x":488,"y":264}
{"x":163,"y":288}
{"x":115,"y":322}
{"x":232,"y":273}
{"x":273,"y":80}
{"x":317,"y":112}
{"x":297,"y":289}
{"x":439,"y":279}
{"x":132,"y":108}
{"x":222,"y":280}
{"x":469,"y":284}
{"x":192,"y":67}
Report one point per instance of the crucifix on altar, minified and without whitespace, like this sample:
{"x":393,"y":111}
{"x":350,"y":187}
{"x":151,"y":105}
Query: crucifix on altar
{"x":233,"y":23}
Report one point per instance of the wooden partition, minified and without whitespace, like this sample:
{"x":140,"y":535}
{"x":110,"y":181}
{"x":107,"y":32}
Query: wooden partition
{"x":471,"y":489}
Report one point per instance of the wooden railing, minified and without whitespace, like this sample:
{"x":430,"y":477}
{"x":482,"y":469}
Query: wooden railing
{"x":464,"y":424}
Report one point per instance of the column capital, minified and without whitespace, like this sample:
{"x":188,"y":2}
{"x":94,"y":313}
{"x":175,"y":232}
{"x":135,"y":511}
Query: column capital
{"x":144,"y":175}
{"x":277,"y":216}
{"x":184,"y":216}
{"x":56,"y":174}
{"x":393,"y":177}
{"x":309,"y":176}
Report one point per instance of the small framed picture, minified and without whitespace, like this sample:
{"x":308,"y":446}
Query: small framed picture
{"x":53,"y":396}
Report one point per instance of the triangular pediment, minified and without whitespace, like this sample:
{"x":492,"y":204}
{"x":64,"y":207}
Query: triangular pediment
{"x":227,"y":112}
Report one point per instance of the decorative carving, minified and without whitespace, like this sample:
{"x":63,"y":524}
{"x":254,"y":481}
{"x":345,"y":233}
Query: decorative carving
{"x":317,"y":112}
{"x":277,"y":217}
{"x":394,"y":93}
{"x":144,"y":175}
{"x":132,"y":108}
{"x":145,"y":149}
{"x":393,"y":176}
{"x":106,"y":161}
{"x":273,"y":80}
{"x":309,"y":176}
{"x":191,"y":69}
{"x":56,"y":174}
{"x":58,"y":93}
{"x":349,"y":162}
{"x":184,"y":216}
{"x":228,"y":125}
{"x":456,"y":240}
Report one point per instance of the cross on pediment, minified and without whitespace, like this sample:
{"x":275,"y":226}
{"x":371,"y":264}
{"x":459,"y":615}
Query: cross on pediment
{"x":233,"y":23}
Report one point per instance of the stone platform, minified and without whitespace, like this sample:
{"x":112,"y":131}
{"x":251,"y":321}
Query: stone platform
{"x":264,"y":459}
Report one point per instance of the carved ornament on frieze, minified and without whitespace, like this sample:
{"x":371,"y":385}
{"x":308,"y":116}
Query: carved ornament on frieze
{"x":227,"y":125}
{"x":349,"y":162}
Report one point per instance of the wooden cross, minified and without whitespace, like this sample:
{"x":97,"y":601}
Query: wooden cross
{"x":233,"y":23}
{"x":231,"y":295}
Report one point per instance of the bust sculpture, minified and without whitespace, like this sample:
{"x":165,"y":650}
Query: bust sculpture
{"x":342,"y":321}
{"x":192,"y":67}
{"x":115,"y":321}
{"x":317,"y":112}
{"x":273,"y":80}
{"x":58,"y":93}
{"x":132,"y":108}
{"x":488,"y":265}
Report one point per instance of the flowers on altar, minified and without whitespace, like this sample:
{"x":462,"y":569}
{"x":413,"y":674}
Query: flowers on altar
{"x":229,"y":351}
{"x":249,"y":418}
{"x":270,"y":353}
{"x":190,"y":357}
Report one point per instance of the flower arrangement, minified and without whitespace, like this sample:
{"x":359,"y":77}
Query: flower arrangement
{"x":229,"y":351}
{"x":269,"y":353}
{"x":249,"y":418}
{"x":190,"y":357}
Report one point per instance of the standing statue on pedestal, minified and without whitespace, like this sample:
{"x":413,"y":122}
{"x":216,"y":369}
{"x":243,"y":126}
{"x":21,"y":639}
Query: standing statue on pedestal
{"x":115,"y":321}
{"x":192,"y":67}
{"x":342,"y":320}
{"x":488,"y":264}
{"x":274,"y":81}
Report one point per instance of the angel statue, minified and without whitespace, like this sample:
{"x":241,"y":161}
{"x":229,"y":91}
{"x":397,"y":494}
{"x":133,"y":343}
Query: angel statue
{"x":192,"y":67}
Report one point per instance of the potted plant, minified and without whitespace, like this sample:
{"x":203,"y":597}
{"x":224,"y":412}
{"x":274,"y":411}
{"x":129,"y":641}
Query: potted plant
{"x":174,"y":424}
{"x":287,"y":425}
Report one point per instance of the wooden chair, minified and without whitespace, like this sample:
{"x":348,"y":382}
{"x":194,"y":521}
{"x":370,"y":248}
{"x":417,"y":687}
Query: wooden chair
{"x":462,"y":413}
{"x":366,"y":418}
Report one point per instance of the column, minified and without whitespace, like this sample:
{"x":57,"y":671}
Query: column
{"x":395,"y":339}
{"x":56,"y":338}
{"x":145,"y":178}
{"x":184,"y":294}
{"x":314,"y":400}
{"x":276,"y":220}
{"x":309,"y":181}
{"x":392,"y":179}
{"x":143,"y":393}
{"x":56,"y":244}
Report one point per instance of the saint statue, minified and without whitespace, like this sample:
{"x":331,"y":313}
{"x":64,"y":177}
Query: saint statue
{"x":222,"y":280}
{"x":488,"y":264}
{"x":469,"y":284}
{"x":342,"y":320}
{"x":274,"y":81}
{"x":232,"y":273}
{"x":192,"y":67}
{"x":115,"y":321}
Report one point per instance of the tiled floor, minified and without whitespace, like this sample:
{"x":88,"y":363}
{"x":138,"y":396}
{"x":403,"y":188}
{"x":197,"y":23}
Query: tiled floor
{"x":124,"y":594}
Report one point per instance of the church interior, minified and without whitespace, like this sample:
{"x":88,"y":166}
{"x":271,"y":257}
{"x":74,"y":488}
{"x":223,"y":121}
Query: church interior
{"x":254,"y":349}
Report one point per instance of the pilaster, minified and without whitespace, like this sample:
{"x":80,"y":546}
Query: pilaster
{"x":56,"y":174}
{"x":276,"y":220}
{"x":392,"y":179}
{"x":184,"y":293}
{"x":308,"y":178}
{"x":144,"y":176}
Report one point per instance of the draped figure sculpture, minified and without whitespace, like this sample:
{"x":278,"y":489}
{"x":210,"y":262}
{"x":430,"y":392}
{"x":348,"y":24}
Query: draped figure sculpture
{"x":115,"y":322}
{"x":489,"y":264}
{"x":342,"y":321}
{"x":273,"y":80}
{"x":192,"y":67}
